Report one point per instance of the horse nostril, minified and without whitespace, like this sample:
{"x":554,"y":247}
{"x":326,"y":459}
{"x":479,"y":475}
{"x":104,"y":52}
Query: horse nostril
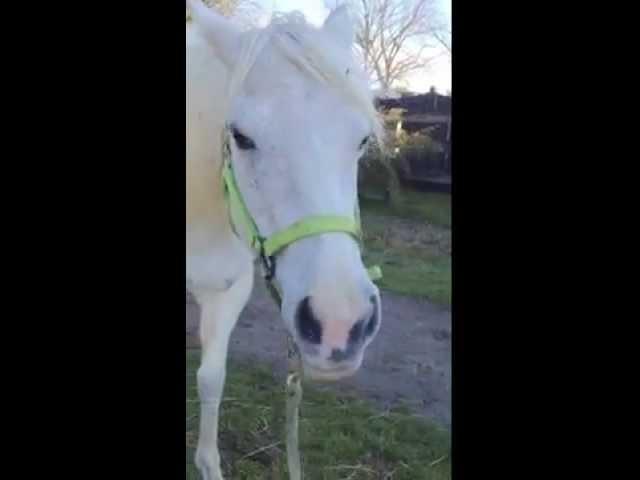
{"x":365,"y":327}
{"x":338,"y":355}
{"x":372,"y":324}
{"x":355,"y":334}
{"x":308,"y":326}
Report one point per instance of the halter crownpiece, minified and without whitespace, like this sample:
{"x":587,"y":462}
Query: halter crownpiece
{"x":267,"y":248}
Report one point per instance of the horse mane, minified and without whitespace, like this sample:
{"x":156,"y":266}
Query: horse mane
{"x":313,"y":52}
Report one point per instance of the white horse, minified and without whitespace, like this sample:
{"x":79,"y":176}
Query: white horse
{"x":300,"y":114}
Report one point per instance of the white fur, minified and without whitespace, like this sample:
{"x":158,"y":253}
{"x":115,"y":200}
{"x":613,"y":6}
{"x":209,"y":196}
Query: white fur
{"x":297,"y":92}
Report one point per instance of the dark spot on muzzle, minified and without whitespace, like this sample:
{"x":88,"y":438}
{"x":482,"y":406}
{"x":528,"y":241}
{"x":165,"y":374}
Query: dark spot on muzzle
{"x":365,"y":327}
{"x":307,"y":324}
{"x":338,"y":355}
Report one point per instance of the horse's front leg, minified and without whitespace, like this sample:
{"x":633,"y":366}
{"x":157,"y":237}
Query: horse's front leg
{"x":220,"y":311}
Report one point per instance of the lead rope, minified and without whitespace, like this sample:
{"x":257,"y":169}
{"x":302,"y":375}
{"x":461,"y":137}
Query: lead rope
{"x":294,"y":397}
{"x":293,"y":388}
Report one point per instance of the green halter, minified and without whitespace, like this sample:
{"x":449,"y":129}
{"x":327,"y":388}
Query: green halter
{"x":268,"y":248}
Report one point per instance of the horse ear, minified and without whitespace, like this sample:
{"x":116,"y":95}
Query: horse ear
{"x":219,"y":31}
{"x":340,"y":26}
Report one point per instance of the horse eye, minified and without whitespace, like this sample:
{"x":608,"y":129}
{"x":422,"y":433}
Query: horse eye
{"x":242,"y":141}
{"x":364,"y":142}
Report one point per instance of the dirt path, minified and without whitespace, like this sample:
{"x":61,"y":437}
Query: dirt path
{"x":408,"y":363}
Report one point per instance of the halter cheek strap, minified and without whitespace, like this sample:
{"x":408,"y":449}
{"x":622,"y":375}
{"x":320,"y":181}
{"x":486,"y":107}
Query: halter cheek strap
{"x":268,"y":248}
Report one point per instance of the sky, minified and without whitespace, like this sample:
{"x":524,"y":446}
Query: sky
{"x":437,"y":74}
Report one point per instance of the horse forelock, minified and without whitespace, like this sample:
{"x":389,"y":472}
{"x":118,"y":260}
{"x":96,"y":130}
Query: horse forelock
{"x":313,"y":52}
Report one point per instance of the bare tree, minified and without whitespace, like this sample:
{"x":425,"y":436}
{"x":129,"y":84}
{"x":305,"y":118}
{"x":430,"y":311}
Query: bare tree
{"x":394,"y":35}
{"x":443,"y":36}
{"x":246,"y":11}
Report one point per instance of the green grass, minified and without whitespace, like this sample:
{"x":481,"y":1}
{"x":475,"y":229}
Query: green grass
{"x":422,"y":271}
{"x":413,"y":272}
{"x":434,"y":208}
{"x":340,"y":438}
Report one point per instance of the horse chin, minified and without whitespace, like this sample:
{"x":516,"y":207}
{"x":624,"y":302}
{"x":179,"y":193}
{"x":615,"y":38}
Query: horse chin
{"x":331,"y":374}
{"x":317,"y":375}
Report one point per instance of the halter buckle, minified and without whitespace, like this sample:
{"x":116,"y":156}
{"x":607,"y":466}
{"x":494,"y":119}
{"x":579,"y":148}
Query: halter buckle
{"x":268,"y":262}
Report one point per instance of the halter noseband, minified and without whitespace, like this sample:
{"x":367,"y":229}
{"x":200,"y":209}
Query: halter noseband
{"x":268,"y":248}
